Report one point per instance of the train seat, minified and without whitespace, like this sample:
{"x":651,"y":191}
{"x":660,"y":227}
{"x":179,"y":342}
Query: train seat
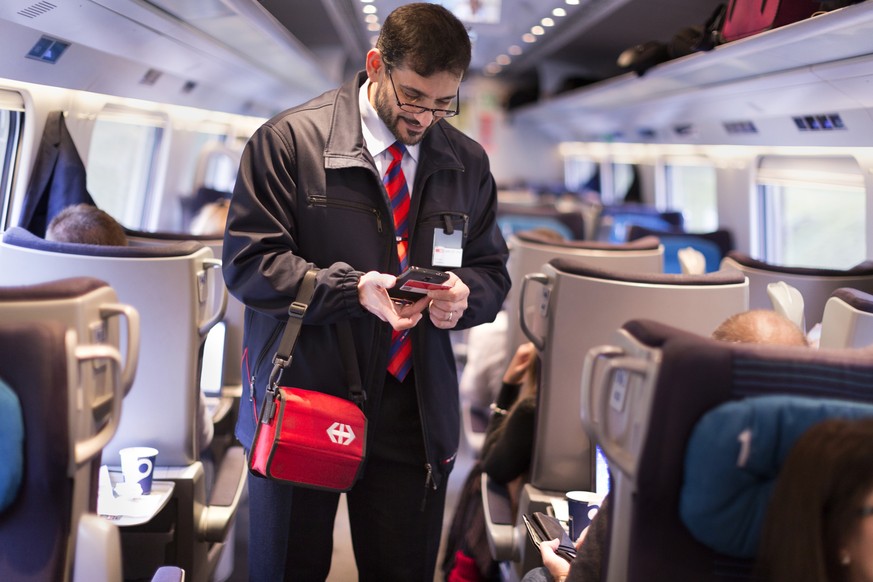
{"x":691,"y":261}
{"x":815,"y":285}
{"x":528,"y":252}
{"x":223,"y":344}
{"x":643,"y":392}
{"x":49,"y":531}
{"x":514,"y":217}
{"x":714,"y":245}
{"x":178,"y":290}
{"x":615,"y":220}
{"x":848,"y":320}
{"x":510,"y":224}
{"x":733,"y":457}
{"x":91,"y":308}
{"x":579,"y":307}
{"x":788,"y":302}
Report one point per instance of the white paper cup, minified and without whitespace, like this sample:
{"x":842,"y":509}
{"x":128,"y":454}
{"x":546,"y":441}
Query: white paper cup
{"x":138,"y":466}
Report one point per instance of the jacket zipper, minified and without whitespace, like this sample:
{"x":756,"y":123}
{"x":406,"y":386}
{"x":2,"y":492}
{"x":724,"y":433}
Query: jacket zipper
{"x":429,"y":481}
{"x":319,"y":200}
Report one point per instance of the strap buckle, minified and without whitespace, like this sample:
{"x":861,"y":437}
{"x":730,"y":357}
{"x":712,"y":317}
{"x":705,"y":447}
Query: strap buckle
{"x":297,"y":309}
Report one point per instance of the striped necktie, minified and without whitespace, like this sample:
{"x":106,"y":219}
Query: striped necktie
{"x":400,"y":355}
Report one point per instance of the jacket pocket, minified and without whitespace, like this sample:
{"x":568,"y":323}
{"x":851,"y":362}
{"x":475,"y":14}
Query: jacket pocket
{"x":449,"y":221}
{"x":318,"y":200}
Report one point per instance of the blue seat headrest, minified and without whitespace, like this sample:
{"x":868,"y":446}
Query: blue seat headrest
{"x":11,"y":445}
{"x":733,"y":458}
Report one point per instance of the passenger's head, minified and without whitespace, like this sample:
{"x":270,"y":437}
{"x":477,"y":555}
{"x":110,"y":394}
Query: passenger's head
{"x":211,"y":218}
{"x":819,"y":523}
{"x":419,"y":60}
{"x":86,"y":224}
{"x":760,"y":326}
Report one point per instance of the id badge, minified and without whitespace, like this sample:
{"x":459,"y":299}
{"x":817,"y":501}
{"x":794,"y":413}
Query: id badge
{"x":448,"y":249}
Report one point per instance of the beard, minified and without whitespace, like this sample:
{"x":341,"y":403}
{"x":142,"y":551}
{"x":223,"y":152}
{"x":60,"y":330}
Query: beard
{"x":403,"y":125}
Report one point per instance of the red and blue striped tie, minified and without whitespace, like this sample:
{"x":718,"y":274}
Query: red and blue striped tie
{"x":400,"y":355}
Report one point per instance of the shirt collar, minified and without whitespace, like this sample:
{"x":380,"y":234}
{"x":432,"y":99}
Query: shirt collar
{"x":377,"y":136}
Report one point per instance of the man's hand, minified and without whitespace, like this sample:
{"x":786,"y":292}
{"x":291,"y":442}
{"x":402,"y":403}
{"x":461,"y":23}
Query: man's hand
{"x":447,"y":305}
{"x":374,"y":298}
{"x":557,"y":566}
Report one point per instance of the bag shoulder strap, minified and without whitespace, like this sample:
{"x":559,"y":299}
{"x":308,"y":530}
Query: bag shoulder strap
{"x":284,"y":353}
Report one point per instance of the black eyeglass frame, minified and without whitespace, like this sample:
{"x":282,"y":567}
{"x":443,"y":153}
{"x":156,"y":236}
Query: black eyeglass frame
{"x":417,"y":109}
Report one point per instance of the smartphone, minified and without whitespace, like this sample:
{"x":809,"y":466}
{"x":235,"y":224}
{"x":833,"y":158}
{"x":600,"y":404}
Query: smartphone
{"x":415,"y":282}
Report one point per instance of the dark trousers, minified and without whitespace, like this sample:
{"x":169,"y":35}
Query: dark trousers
{"x":396,"y":521}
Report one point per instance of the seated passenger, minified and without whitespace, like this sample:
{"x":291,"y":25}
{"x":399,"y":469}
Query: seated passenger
{"x":85,"y":224}
{"x":505,"y":457}
{"x":758,"y":326}
{"x":481,"y":378}
{"x":818,"y":527}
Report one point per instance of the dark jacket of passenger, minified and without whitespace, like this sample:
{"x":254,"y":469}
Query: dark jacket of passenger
{"x":309,"y":195}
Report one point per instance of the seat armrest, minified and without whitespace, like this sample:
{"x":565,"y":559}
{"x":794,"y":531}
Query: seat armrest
{"x":169,"y":574}
{"x":98,"y":551}
{"x":224,"y":499}
{"x":499,"y":520}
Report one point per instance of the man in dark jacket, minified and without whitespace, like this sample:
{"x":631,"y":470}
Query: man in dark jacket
{"x":310,"y":193}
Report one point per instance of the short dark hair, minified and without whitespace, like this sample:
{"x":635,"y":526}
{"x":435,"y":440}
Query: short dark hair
{"x":86,"y":224}
{"x":426,"y":38}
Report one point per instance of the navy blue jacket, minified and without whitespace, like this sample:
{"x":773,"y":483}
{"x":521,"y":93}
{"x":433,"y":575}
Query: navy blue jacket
{"x":309,"y":195}
{"x":58,"y":177}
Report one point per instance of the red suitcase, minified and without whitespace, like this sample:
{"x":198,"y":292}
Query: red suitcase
{"x":747,"y":17}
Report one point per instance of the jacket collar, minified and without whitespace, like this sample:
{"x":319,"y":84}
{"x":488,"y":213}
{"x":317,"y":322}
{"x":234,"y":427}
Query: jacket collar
{"x":345,"y":142}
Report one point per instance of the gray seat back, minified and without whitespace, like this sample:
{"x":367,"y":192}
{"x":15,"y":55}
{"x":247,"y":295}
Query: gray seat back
{"x":815,"y":285}
{"x":580,"y":307}
{"x":848,"y":320}
{"x":179,"y":293}
{"x":529,"y":251}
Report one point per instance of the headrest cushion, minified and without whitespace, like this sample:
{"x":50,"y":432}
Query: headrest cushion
{"x":11,"y":445}
{"x":733,"y":458}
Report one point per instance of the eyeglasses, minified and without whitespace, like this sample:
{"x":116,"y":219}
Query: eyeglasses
{"x":865,"y":511}
{"x":417,"y":109}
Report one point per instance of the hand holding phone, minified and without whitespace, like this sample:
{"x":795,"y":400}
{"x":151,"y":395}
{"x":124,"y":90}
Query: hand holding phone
{"x":414,"y":283}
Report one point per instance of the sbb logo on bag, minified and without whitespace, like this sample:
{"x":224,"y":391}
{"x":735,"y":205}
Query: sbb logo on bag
{"x":341,"y":434}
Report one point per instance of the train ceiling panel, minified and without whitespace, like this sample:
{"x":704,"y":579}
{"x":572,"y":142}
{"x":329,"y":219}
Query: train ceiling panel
{"x":268,"y":68}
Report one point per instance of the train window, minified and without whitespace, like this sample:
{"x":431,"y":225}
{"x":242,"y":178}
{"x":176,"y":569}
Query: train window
{"x":690,"y":187}
{"x":11,"y":118}
{"x":811,"y":211}
{"x":217,"y":166}
{"x":581,"y":174}
{"x":622,"y":185}
{"x":122,"y":163}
